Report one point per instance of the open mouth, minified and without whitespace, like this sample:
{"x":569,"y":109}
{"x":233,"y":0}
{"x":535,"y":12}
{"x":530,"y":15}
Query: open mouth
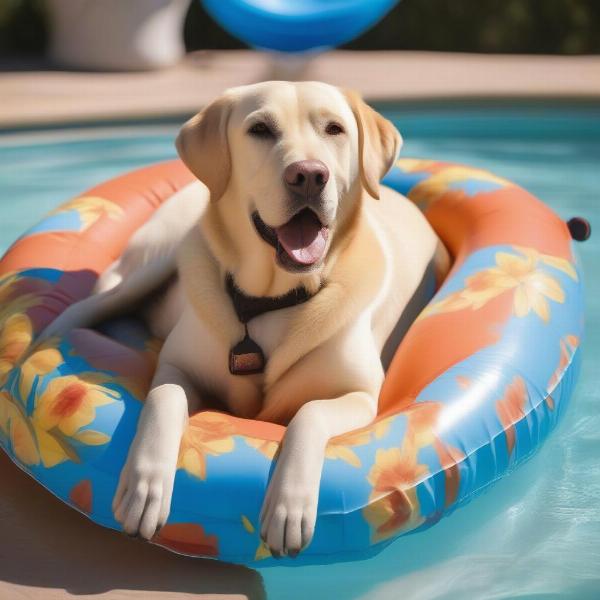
{"x":300,"y":243}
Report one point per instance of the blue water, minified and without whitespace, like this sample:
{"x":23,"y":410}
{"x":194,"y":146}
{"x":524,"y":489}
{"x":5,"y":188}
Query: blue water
{"x":535,"y":534}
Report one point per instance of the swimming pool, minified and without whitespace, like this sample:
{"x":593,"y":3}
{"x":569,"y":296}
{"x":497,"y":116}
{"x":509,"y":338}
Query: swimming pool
{"x":534,"y":534}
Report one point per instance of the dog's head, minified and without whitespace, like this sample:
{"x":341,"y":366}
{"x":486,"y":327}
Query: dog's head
{"x":296,"y":156}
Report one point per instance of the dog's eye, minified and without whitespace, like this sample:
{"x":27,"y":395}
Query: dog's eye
{"x":334,"y":128}
{"x":261,"y":130}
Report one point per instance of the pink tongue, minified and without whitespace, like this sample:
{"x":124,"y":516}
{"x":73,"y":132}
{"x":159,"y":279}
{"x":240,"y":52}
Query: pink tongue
{"x":303,"y":238}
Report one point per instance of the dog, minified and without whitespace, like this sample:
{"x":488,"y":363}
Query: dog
{"x":286,"y":273}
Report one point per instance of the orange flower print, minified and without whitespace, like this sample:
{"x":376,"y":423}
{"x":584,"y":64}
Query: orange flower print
{"x":208,"y":433}
{"x":511,"y":409}
{"x":522,"y":276}
{"x":422,"y":421}
{"x":393,"y":504}
{"x":81,"y":496}
{"x":422,"y":430}
{"x":90,"y":209}
{"x":187,"y":538}
{"x":449,"y":460}
{"x":568,"y":345}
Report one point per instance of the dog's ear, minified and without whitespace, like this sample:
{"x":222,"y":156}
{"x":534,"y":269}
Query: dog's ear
{"x":203,"y":146}
{"x":379,"y":143}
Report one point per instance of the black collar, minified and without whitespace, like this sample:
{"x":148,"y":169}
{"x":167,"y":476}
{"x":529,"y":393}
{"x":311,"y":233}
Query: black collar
{"x":247,"y":307}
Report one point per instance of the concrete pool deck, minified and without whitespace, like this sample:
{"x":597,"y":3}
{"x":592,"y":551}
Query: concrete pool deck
{"x":42,"y":96}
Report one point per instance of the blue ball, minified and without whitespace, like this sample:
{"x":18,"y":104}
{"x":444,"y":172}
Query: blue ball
{"x":297,"y":25}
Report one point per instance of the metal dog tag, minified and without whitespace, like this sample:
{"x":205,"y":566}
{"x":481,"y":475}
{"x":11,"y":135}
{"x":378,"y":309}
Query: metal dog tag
{"x":246,"y":358}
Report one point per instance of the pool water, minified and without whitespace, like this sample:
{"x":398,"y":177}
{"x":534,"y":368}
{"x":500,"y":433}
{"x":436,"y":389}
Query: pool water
{"x":536,"y":533}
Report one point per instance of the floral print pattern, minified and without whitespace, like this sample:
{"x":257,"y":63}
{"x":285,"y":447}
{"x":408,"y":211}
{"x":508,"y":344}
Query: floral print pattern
{"x":61,"y":412}
{"x":69,"y":407}
{"x":90,"y":209}
{"x":511,"y":409}
{"x":521,"y":275}
{"x":188,"y":538}
{"x":208,"y":434}
{"x":81,"y":496}
{"x":432,"y":189}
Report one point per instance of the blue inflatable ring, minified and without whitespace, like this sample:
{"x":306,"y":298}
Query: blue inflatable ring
{"x":480,"y":379}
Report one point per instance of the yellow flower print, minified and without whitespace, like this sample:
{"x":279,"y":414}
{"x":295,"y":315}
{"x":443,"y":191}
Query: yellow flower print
{"x":561,"y":264}
{"x":521,"y":275}
{"x":69,"y":403}
{"x":15,"y":426}
{"x":17,"y":294}
{"x":262,"y":550}
{"x":207,"y":433}
{"x":16,"y":329}
{"x":7,"y":287}
{"x":22,"y":437}
{"x":40,"y":362}
{"x":66,"y":406}
{"x":340,"y":447}
{"x":14,"y":422}
{"x":533,"y":288}
{"x":412,"y":165}
{"x":15,"y":338}
{"x":90,"y":209}
{"x":429,"y":190}
{"x":267,"y":448}
{"x":5,"y":411}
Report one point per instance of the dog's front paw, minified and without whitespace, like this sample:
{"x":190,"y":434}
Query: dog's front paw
{"x":289,"y":512}
{"x":143,"y":497}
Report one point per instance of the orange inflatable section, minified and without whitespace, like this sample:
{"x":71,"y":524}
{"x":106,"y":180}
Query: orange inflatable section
{"x":431,"y":345}
{"x":138,"y":193}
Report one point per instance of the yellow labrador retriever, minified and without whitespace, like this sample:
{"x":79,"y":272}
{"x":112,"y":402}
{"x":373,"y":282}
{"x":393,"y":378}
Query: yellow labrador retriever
{"x":294,"y":270}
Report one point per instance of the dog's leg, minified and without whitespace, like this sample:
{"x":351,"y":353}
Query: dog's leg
{"x":143,"y":497}
{"x":115,"y":300}
{"x":289,"y":510}
{"x":148,"y":262}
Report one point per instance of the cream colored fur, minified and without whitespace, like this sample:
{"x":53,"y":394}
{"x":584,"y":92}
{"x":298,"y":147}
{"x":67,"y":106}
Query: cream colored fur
{"x":324,"y":371}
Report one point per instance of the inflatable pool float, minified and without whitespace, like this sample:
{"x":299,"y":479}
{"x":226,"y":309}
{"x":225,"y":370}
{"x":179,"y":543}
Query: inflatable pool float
{"x":480,"y":379}
{"x":297,"y":26}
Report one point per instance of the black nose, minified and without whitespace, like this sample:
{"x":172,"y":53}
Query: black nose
{"x":306,"y":177}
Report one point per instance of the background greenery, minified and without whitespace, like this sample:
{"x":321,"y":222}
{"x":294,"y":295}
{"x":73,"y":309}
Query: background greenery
{"x":512,"y":26}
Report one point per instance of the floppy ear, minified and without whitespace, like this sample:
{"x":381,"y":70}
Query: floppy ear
{"x":379,"y":143}
{"x":203,"y":146}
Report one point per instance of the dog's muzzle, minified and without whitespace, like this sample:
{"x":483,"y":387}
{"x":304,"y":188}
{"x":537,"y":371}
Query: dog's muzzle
{"x":300,"y":243}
